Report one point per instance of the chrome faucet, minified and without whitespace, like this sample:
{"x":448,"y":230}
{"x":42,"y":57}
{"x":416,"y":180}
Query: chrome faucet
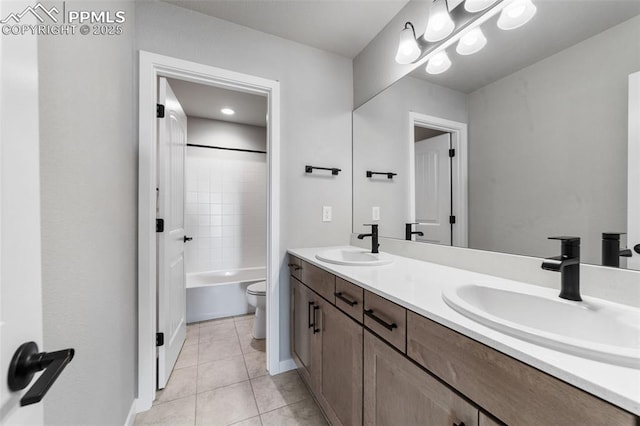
{"x":408,"y":232}
{"x":568,"y":264}
{"x":373,"y":235}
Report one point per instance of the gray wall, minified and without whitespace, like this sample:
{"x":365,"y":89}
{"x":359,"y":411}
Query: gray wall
{"x":562,"y":124}
{"x":203,"y":131}
{"x":316,"y":103}
{"x":381,"y":143}
{"x":89,"y":196}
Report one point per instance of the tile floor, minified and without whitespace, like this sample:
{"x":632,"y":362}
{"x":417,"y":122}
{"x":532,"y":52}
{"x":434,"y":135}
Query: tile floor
{"x":220,"y":379}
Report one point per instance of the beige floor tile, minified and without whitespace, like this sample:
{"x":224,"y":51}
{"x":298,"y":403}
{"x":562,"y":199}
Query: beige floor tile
{"x":193,"y":334}
{"x":273,"y":392}
{"x":217,"y":374}
{"x":217,"y":331}
{"x":256,"y":364}
{"x":254,"y":421}
{"x":188,"y":357}
{"x":218,"y":349}
{"x":225,"y":406}
{"x":249,"y":344}
{"x":181,"y":412}
{"x":302,"y":413}
{"x":244,"y":327}
{"x":182,"y":383}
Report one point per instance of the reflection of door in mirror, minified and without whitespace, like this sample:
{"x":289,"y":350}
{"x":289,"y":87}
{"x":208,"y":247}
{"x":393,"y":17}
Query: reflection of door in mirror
{"x":433,"y":189}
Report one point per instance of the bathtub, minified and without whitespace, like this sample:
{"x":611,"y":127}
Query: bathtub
{"x":219,"y":294}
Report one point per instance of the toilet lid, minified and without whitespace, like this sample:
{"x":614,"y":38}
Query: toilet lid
{"x":258,"y":289}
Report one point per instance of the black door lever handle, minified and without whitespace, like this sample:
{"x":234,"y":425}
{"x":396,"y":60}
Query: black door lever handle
{"x":27,"y":361}
{"x":185,"y":238}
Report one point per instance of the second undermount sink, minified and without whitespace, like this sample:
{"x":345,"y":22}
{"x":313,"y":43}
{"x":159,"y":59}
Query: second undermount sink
{"x":354,"y":257}
{"x":594,"y":328}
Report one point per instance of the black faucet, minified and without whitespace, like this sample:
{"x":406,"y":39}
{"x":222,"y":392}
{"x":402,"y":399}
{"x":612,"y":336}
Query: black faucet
{"x":408,"y":232}
{"x":568,"y":264}
{"x":373,"y":235}
{"x":611,"y":252}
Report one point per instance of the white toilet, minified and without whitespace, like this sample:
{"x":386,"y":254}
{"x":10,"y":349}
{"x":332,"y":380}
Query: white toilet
{"x":257,"y":297}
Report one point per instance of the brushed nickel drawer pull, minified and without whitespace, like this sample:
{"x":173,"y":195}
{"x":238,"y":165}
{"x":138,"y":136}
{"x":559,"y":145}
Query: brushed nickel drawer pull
{"x":345,"y":300}
{"x":390,"y":327}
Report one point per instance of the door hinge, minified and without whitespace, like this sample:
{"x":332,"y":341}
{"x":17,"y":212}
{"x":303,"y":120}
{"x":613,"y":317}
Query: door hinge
{"x":159,"y":339}
{"x":159,"y":110}
{"x":452,"y":220}
{"x":452,"y":152}
{"x":159,"y":225}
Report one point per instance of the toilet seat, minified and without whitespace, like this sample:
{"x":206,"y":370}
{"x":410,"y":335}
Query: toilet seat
{"x":258,"y":289}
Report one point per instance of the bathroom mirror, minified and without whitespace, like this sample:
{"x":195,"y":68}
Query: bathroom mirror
{"x":538,"y":120}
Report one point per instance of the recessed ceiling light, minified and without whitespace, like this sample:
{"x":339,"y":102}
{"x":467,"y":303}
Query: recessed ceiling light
{"x":227,"y":111}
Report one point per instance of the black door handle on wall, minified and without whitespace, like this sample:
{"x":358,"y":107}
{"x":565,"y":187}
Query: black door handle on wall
{"x":27,"y":361}
{"x":185,"y":238}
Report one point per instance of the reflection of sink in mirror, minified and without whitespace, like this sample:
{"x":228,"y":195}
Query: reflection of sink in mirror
{"x":530,"y":108}
{"x":539,"y":316}
{"x":354,"y":257}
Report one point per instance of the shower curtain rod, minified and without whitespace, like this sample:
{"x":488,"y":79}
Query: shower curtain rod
{"x":227,"y":149}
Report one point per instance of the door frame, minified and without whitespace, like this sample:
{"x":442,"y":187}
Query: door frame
{"x":459,"y":164}
{"x":633,"y":174}
{"x":152,"y":66}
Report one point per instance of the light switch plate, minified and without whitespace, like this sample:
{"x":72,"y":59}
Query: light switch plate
{"x":326,"y":214}
{"x":375,"y":213}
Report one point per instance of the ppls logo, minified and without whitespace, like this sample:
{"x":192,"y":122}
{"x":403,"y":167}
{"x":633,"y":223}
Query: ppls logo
{"x":51,"y":21}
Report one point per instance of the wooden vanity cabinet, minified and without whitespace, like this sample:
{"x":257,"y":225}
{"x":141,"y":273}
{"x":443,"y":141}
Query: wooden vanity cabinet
{"x":302,"y":302}
{"x":338,"y":380}
{"x":398,"y":392}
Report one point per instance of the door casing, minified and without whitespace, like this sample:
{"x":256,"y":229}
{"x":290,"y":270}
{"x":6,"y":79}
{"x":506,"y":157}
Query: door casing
{"x":152,"y":66}
{"x":458,"y":131}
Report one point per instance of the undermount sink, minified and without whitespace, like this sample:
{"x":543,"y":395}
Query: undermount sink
{"x":594,"y":328}
{"x":354,"y":257}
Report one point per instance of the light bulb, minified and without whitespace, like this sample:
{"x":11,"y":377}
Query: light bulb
{"x":516,"y":14}
{"x":408,"y":49}
{"x":474,"y":6}
{"x":440,"y":24}
{"x":471,"y":42}
{"x":439,"y":63}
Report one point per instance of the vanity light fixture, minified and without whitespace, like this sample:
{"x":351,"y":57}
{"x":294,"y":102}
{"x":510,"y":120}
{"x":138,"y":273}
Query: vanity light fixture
{"x":408,"y":49}
{"x":439,"y":25}
{"x":516,"y":14}
{"x":227,"y":111}
{"x":439,"y":63}
{"x":471,"y":42}
{"x":459,"y":25}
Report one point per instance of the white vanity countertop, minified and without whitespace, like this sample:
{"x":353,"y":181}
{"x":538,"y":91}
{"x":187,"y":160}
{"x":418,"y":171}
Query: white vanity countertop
{"x":418,"y":285}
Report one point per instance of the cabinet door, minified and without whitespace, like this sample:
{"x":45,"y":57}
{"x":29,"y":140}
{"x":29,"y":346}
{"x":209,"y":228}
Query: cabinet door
{"x":301,"y":326}
{"x":397,"y":392}
{"x":338,"y":374}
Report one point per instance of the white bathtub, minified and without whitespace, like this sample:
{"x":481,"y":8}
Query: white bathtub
{"x":219,"y":294}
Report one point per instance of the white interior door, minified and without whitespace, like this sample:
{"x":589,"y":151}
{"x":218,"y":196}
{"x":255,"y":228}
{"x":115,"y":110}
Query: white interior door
{"x":20,"y":268}
{"x":433,"y":189}
{"x":633,"y":170}
{"x":172,"y":143}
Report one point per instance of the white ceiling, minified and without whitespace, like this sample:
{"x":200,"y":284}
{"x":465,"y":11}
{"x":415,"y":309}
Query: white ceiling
{"x":203,"y":101}
{"x":344,"y":27}
{"x":557,"y":25}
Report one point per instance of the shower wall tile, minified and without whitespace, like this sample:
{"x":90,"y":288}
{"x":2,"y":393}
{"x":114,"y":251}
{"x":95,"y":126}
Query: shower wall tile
{"x":225,"y":209}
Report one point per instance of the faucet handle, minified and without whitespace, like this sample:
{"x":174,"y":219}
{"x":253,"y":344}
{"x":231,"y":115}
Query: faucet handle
{"x":612,"y":235}
{"x":573,"y":241}
{"x":369,"y":224}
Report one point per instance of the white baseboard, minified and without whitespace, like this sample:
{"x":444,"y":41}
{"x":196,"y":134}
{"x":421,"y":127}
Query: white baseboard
{"x":131,"y":417}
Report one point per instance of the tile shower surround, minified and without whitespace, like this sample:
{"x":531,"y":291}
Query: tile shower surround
{"x":225,"y":209}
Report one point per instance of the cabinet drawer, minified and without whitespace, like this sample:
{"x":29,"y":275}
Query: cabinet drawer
{"x":349,"y":298}
{"x":386,"y":319}
{"x":512,"y":391}
{"x":319,"y":280}
{"x":295,"y":267}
